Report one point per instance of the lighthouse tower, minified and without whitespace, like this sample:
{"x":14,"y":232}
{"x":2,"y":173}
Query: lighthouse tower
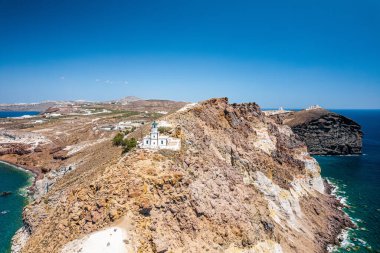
{"x":154,"y":135}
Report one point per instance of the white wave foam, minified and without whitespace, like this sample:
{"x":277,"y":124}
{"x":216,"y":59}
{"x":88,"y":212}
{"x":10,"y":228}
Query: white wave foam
{"x":338,"y":192}
{"x":348,"y":239}
{"x":26,"y":116}
{"x":24,"y":191}
{"x":345,"y":242}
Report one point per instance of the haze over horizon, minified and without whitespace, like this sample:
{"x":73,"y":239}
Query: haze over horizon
{"x":292,"y":54}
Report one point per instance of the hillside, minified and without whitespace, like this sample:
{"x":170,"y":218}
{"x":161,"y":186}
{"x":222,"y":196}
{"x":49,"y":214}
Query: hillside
{"x":241,"y":183}
{"x":38,"y":107}
{"x":154,"y":105}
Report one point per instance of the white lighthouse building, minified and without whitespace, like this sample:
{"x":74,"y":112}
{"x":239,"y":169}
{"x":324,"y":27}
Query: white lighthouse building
{"x":157,"y":141}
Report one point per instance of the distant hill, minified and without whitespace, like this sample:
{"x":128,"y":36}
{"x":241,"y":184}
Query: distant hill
{"x":154,"y":105}
{"x":39,"y":107}
{"x":131,"y":103}
{"x":125,"y":100}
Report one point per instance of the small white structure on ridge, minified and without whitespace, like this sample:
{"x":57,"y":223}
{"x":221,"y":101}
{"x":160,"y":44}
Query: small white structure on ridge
{"x":274,"y":112}
{"x":313,"y":107}
{"x":157,"y":141}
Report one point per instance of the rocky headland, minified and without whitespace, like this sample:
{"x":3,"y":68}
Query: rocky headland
{"x":323,"y":131}
{"x":240,"y":183}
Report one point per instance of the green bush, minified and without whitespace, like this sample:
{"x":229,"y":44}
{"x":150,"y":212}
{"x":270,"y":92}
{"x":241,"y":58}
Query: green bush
{"x":129,"y":144}
{"x":118,"y":139}
{"x":128,"y":131}
{"x":164,"y":130}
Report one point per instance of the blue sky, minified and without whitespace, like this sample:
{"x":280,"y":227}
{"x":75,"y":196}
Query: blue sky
{"x":277,"y":53}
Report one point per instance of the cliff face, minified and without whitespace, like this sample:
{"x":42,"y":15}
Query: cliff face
{"x":240,"y":183}
{"x":325,"y":132}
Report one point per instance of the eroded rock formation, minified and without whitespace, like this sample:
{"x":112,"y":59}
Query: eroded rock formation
{"x":325,"y":132}
{"x":241,"y":183}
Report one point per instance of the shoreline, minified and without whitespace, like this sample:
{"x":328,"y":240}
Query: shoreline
{"x":35,"y":174}
{"x":361,"y":154}
{"x":24,"y":191}
{"x":344,"y":237}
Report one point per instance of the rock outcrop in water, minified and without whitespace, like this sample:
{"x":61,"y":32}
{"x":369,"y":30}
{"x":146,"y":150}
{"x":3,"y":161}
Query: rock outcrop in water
{"x":241,"y":183}
{"x":5,"y":194}
{"x":324,"y":132}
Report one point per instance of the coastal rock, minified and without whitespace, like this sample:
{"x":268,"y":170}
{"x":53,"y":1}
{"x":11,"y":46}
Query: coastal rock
{"x":43,"y":185}
{"x":240,"y":183}
{"x":14,"y":148}
{"x":54,"y":150}
{"x":4,"y":194}
{"x":19,"y":239}
{"x":60,"y":155}
{"x":324,"y":132}
{"x":51,"y":110}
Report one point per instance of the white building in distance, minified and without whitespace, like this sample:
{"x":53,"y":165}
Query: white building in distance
{"x":280,"y":110}
{"x":313,"y":107}
{"x":157,"y":141}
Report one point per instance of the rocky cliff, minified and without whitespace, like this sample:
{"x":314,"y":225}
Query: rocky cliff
{"x":241,"y":183}
{"x":325,"y":132}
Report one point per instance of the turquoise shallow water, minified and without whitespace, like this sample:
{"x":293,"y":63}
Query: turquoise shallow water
{"x":358,"y":181}
{"x":15,"y":181}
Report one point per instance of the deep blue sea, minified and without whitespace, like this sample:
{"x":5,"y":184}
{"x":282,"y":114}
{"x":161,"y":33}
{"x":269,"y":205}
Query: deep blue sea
{"x":358,"y":181}
{"x":6,"y":114}
{"x":15,"y":181}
